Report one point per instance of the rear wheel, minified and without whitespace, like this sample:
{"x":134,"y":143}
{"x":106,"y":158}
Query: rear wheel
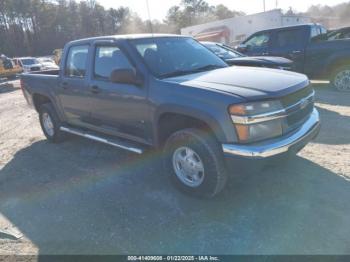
{"x":50,"y":123}
{"x":341,"y":79}
{"x":195,"y":163}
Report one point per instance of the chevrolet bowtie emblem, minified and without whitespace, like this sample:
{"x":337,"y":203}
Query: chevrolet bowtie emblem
{"x":303,"y":103}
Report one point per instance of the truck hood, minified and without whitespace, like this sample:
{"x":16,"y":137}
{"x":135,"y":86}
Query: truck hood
{"x":251,"y":83}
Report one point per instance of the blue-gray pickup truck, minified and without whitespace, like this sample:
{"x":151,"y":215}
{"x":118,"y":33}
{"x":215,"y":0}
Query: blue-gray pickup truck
{"x":171,"y":95}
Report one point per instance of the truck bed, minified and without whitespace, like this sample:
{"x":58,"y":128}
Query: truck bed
{"x":46,"y":72}
{"x":42,"y":82}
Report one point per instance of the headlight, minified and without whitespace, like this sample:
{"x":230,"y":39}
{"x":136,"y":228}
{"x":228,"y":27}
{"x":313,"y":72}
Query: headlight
{"x":257,"y":121}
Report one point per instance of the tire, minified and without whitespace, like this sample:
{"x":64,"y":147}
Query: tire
{"x":53,"y":134}
{"x":340,"y":79}
{"x":206,"y":152}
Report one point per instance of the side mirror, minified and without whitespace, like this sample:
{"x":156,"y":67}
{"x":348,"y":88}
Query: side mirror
{"x":243,"y":48}
{"x":125,"y":76}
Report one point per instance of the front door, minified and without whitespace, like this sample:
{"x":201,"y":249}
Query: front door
{"x":117,"y":109}
{"x":258,"y":44}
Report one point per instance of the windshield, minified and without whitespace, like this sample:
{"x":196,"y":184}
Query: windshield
{"x":29,"y":61}
{"x":338,"y":34}
{"x":223,"y":52}
{"x":172,"y":56}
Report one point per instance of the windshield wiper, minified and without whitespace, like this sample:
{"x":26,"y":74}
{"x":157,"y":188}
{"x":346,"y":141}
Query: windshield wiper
{"x":195,"y":70}
{"x":207,"y":68}
{"x":176,"y":73}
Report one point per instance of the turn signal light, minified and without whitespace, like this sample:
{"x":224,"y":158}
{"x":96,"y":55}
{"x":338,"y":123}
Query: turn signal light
{"x":242,"y":132}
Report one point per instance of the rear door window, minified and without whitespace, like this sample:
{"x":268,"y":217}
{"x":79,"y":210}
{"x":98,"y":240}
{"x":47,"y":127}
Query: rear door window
{"x":289,"y":38}
{"x":77,"y":61}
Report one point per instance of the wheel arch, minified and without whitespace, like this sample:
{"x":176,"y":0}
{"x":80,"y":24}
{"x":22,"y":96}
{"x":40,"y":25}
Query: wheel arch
{"x":174,"y":118}
{"x":335,"y":64}
{"x":40,"y":99}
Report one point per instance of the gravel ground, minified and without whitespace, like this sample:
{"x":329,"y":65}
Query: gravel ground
{"x":81,"y":197}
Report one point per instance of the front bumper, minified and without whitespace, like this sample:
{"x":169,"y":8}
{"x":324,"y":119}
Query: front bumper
{"x":296,"y":140}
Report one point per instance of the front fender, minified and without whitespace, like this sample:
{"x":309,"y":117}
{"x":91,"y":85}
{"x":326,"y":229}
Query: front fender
{"x":219,"y":123}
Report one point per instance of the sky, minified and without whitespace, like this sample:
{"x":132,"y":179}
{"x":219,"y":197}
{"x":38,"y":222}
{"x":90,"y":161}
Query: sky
{"x":159,"y":8}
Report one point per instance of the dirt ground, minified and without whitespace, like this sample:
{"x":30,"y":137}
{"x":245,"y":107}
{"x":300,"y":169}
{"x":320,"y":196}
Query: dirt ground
{"x":81,"y":197}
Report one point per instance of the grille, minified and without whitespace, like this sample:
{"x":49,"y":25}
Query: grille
{"x":294,"y":98}
{"x":36,"y":68}
{"x":298,"y":117}
{"x":299,"y":114}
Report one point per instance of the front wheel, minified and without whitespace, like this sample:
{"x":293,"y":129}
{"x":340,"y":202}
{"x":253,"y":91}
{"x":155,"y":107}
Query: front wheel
{"x":195,"y":163}
{"x":341,"y":79}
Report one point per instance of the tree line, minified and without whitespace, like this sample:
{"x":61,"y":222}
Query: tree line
{"x":37,"y":27}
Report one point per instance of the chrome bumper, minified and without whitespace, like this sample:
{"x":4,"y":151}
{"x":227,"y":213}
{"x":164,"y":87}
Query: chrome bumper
{"x":278,"y":146}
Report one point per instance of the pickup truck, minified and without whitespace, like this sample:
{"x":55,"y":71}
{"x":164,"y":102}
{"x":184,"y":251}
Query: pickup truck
{"x":313,"y":53}
{"x":171,"y":97}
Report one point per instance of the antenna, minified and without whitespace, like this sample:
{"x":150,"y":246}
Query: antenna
{"x":149,"y":18}
{"x":264,"y":5}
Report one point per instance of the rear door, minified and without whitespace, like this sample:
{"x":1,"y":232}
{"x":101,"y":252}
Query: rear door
{"x":72,"y":90}
{"x":289,"y":43}
{"x":116,"y":108}
{"x":258,"y":44}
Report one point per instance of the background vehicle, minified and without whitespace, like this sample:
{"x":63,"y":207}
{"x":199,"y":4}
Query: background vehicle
{"x":233,"y":57}
{"x":169,"y":92}
{"x":8,"y":68}
{"x":312,"y":55}
{"x":28,"y":64}
{"x":47,"y":63}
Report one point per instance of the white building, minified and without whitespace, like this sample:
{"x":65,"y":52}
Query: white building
{"x":234,"y":30}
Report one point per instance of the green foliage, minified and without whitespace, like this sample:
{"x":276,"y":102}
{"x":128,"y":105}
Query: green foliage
{"x":192,"y":12}
{"x":37,"y":27}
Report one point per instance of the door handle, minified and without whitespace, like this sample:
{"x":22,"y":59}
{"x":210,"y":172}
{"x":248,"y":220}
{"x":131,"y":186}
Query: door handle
{"x":95,"y":89}
{"x":266,"y":53}
{"x":64,"y":85}
{"x":296,"y":52}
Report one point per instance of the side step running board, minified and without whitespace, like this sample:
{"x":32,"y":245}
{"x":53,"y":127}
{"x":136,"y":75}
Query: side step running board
{"x":108,"y":141}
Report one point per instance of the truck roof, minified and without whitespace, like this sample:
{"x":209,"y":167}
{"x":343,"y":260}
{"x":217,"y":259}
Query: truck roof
{"x":291,"y":26}
{"x":126,"y":37}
